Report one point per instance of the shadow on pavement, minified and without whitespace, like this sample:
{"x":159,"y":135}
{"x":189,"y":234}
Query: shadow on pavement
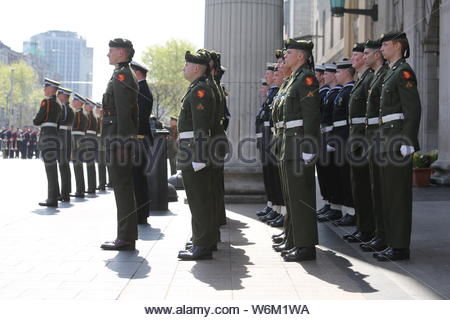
{"x":356,"y":283}
{"x":123,"y":269}
{"x":229,"y":266}
{"x":46,"y":211}
{"x":146,"y":232}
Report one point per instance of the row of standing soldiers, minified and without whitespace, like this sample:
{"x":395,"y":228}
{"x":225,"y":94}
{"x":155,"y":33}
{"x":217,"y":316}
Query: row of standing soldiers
{"x":360,"y":135}
{"x":202,"y":148}
{"x":19,"y":143}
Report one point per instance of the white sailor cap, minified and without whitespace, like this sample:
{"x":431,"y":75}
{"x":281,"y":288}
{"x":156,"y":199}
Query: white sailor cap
{"x":90,"y":102}
{"x":344,"y":64}
{"x":320,"y":68}
{"x":137,"y":66}
{"x":78,"y":97}
{"x":65,"y":91}
{"x":330,"y":67}
{"x":51,"y":83}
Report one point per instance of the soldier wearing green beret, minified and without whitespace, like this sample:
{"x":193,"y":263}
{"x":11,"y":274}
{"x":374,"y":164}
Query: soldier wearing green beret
{"x":120,"y":127}
{"x":78,"y":132}
{"x":280,"y":240}
{"x":64,"y":132}
{"x":196,"y":123}
{"x":359,"y":165}
{"x":400,"y":111}
{"x":301,"y":117}
{"x":47,"y":118}
{"x":375,"y":61}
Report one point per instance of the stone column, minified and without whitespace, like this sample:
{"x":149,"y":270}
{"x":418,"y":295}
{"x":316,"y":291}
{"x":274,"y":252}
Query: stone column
{"x":442,"y":166}
{"x":247,"y":33}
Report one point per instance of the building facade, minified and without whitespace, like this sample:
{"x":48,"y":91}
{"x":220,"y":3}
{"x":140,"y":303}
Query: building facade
{"x":423,"y":22}
{"x":66,"y":54}
{"x":298,"y":15}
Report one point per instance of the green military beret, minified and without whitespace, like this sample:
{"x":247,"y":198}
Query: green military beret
{"x":120,"y":43}
{"x":299,"y":45}
{"x":358,"y":47}
{"x":215,"y":57}
{"x":373,"y":44}
{"x":393,"y":35}
{"x":200,"y":57}
{"x":279,"y":54}
{"x":396,"y":35}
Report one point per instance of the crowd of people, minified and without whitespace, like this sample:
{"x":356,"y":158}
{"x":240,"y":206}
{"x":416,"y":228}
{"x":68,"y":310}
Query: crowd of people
{"x":19,"y":143}
{"x":356,"y":121}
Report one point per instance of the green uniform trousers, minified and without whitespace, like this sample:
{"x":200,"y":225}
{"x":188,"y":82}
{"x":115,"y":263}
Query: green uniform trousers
{"x":301,"y":197}
{"x":361,"y":192}
{"x":198,"y":186}
{"x":121,"y":174}
{"x":396,"y":186}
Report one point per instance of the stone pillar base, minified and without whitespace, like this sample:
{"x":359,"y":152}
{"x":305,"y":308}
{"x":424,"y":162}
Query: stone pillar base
{"x":244,"y":184}
{"x":441,"y":172}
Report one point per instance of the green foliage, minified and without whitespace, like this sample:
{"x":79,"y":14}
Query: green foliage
{"x":165,"y":64}
{"x":26,"y":94}
{"x":424,"y":160}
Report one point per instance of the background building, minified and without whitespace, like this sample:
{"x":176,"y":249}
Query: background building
{"x":429,"y":37}
{"x":298,"y":17}
{"x":67,"y":55}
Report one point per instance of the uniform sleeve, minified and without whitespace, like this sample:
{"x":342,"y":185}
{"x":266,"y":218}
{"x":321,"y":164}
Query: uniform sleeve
{"x":42,"y":113}
{"x":310,"y":108}
{"x":203,"y":105}
{"x":411,"y":108}
{"x":125,"y":97}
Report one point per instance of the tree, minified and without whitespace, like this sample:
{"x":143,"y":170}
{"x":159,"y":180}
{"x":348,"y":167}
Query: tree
{"x":19,"y":106}
{"x":165,"y":64}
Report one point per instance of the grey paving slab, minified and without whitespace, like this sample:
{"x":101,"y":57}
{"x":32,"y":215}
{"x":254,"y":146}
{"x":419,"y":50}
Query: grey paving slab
{"x":55,"y":254}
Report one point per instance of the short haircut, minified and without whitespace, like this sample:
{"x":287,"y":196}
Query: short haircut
{"x":404,"y":44}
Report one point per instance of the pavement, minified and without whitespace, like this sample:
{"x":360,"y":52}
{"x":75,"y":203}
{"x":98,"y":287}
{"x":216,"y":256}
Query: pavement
{"x":52,"y":254}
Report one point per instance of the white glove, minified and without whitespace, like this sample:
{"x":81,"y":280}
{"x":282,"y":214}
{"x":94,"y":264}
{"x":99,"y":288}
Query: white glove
{"x":198,"y":166}
{"x":406,"y":150}
{"x":330,"y":148}
{"x":307,"y":157}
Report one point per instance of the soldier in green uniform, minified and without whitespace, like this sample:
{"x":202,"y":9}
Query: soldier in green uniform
{"x":283,"y":240}
{"x":195,"y":126}
{"x":400,"y":111}
{"x":359,"y":165}
{"x":91,"y":143}
{"x":375,"y":61}
{"x":301,"y":116}
{"x":120,"y":127}
{"x":78,"y":132}
{"x":101,"y":165}
{"x":47,"y":118}
{"x":64,"y":132}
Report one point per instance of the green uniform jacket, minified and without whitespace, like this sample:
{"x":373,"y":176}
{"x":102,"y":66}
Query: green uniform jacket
{"x":197,"y":115}
{"x":399,"y":95}
{"x":49,"y":111}
{"x":120,"y":107}
{"x":218,"y":131}
{"x":373,"y":102}
{"x":357,"y":106}
{"x":302,"y":102}
{"x":277,"y":116}
{"x":79,"y":124}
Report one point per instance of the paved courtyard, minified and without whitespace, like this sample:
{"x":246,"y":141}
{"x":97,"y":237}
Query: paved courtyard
{"x":55,"y":254}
